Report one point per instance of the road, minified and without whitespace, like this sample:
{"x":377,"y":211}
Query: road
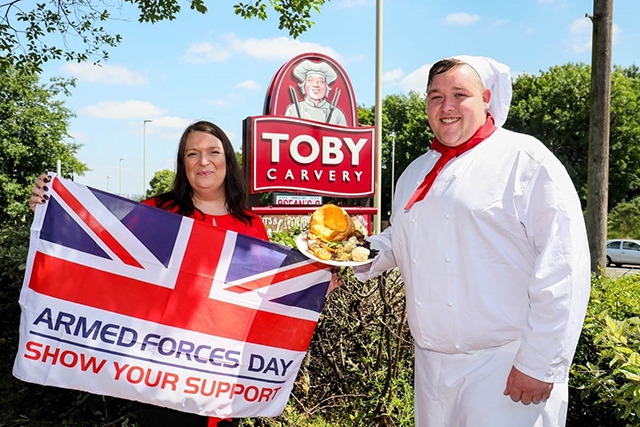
{"x":623,"y":271}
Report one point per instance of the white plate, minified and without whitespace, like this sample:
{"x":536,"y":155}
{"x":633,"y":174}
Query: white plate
{"x":301,"y":242}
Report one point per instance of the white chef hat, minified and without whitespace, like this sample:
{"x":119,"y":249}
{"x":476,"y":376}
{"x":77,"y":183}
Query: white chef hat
{"x":307,"y":67}
{"x":495,"y":77}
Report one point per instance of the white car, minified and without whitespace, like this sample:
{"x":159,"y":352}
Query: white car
{"x":623,"y":251}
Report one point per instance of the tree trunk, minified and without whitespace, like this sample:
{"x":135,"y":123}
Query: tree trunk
{"x":600,"y":97}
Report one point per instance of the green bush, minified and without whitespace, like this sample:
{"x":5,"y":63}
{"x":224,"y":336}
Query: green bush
{"x":624,"y":220}
{"x":606,"y":369}
{"x":359,"y":367}
{"x":26,"y":404}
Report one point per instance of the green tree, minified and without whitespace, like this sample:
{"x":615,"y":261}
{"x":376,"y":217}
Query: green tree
{"x":33,"y":127}
{"x":405,"y":116}
{"x":624,"y":163}
{"x":554,"y":107}
{"x":161,"y":182}
{"x":624,"y":220}
{"x":36,"y":32}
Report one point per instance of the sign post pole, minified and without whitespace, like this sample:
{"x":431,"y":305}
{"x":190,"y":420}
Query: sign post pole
{"x":377,"y":197}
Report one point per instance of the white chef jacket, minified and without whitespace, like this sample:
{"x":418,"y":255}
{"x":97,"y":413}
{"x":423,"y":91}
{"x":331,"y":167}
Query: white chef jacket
{"x":308,"y":110}
{"x":497,"y":251}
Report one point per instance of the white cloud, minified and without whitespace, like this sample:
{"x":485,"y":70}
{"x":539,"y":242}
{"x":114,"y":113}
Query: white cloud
{"x":170,"y":122}
{"x":104,"y":73}
{"x":204,"y":53}
{"x":357,"y":58}
{"x":217,"y":102}
{"x":168,"y":128}
{"x":393,"y":75}
{"x":616,"y":34}
{"x":80,"y":137}
{"x":276,"y":48}
{"x":131,"y":109}
{"x":497,"y":23}
{"x":249,"y":84}
{"x":580,"y":35}
{"x":416,"y":80}
{"x":461,"y":18}
{"x":272,"y":49}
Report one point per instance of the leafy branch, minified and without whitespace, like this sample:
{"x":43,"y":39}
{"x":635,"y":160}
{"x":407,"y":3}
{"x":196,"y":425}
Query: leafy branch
{"x":75,"y":30}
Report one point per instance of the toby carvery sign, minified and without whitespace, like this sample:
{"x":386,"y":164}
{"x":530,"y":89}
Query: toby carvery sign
{"x":308,"y":139}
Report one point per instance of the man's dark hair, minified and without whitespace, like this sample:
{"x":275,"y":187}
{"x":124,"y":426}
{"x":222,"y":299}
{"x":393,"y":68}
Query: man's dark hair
{"x":442,"y":66}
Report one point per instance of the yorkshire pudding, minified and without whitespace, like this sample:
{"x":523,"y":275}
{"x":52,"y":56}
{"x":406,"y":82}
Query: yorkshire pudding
{"x":331,"y":223}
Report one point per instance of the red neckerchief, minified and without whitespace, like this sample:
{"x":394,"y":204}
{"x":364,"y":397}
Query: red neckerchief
{"x":448,"y":153}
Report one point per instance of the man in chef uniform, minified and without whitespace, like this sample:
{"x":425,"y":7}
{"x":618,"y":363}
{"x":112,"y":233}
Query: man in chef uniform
{"x":315,"y":78}
{"x":488,"y":234}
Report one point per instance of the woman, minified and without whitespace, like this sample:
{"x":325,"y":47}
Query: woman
{"x":208,"y":187}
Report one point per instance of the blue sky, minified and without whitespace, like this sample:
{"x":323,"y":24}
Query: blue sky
{"x":218,"y":66}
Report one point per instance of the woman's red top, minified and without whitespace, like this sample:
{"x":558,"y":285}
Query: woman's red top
{"x":227,"y":222}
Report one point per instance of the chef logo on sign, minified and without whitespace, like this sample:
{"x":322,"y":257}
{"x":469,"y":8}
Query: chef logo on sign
{"x":315,"y":79}
{"x":313,"y":86}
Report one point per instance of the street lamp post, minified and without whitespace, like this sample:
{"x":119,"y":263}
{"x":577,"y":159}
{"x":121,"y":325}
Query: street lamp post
{"x":377,"y":197}
{"x":144,"y":156}
{"x":393,"y":164}
{"x":120,"y":179}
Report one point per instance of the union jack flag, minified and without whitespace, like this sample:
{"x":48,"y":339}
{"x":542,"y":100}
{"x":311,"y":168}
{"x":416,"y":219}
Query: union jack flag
{"x":222,"y":318}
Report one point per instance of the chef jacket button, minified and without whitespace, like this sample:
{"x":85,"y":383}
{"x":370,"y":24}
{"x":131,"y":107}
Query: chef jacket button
{"x":457,"y":346}
{"x":446,"y":216}
{"x":427,"y":344}
{"x":450,"y":304}
{"x":414,"y":261}
{"x":413,"y":220}
{"x":418,"y":303}
{"x":448,"y":259}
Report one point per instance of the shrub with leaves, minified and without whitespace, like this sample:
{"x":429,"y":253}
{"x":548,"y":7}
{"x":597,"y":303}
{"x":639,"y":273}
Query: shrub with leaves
{"x":606,"y":370}
{"x":624,"y":220}
{"x":359,"y":367}
{"x":26,"y":404}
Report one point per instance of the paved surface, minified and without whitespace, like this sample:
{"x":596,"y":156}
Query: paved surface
{"x":622,"y":271}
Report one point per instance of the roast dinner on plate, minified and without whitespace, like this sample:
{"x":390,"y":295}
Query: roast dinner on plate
{"x":336,"y":236}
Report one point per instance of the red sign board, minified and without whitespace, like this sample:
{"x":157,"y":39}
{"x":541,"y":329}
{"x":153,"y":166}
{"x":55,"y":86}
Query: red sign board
{"x":305,"y":156}
{"x":308,"y":139}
